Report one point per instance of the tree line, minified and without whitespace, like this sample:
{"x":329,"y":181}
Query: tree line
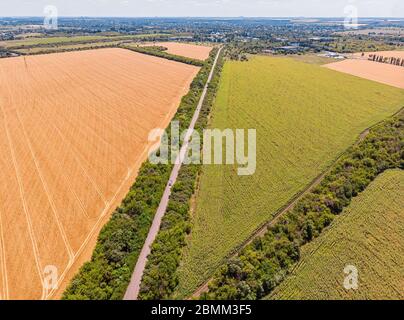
{"x":106,"y":276}
{"x":161,"y":53}
{"x":160,"y":276}
{"x":388,"y":60}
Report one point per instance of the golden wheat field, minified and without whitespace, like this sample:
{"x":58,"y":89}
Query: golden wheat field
{"x":192,"y":51}
{"x":386,"y":54}
{"x":380,"y":72}
{"x":73,"y":133}
{"x":369,"y":235}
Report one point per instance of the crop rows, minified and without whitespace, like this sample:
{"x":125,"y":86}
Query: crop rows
{"x":305,"y":117}
{"x":369,"y":236}
{"x":71,"y":143}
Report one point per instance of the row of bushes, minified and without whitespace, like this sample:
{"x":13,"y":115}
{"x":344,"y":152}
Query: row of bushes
{"x":5,"y":53}
{"x":62,"y":49}
{"x":389,"y":60}
{"x":108,"y":273}
{"x":160,"y":278}
{"x":263,"y":264}
{"x":158,"y":52}
{"x":88,"y":41}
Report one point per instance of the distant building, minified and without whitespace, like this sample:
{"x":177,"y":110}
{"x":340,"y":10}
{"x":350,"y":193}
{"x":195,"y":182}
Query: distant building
{"x":321,"y":39}
{"x":287,"y":49}
{"x":330,"y":54}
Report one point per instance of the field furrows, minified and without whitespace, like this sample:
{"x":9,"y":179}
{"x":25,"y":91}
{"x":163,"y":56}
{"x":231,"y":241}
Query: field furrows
{"x":43,"y":223}
{"x":380,"y":72}
{"x":3,"y":266}
{"x":73,"y":131}
{"x":19,"y":247}
{"x":297,"y":139}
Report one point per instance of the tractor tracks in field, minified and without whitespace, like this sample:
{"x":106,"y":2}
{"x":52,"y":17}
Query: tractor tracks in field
{"x":260,"y":231}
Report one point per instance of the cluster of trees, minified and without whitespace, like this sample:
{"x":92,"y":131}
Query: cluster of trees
{"x":236,"y":52}
{"x":351,"y":43}
{"x":108,"y":273}
{"x":389,"y":60}
{"x":239,"y":50}
{"x":161,"y":53}
{"x":263,"y":264}
{"x":74,"y":41}
{"x":5,"y":53}
{"x":160,"y":277}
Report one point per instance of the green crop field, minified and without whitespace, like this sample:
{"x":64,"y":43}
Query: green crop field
{"x":305,"y":116}
{"x":29,"y":42}
{"x":368,"y":235}
{"x":51,"y":40}
{"x":313,"y":59}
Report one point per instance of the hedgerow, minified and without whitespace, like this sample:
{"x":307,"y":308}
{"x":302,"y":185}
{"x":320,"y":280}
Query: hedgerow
{"x":108,"y":273}
{"x":62,"y":49}
{"x":159,"y":52}
{"x":160,"y":278}
{"x":263,"y":264}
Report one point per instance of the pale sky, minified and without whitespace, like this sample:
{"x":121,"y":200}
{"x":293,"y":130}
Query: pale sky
{"x":204,"y":8}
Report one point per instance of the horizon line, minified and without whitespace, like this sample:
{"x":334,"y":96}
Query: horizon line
{"x":207,"y":17}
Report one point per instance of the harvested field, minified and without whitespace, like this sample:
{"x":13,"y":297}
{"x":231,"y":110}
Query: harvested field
{"x":395,"y":54}
{"x":192,"y":51}
{"x":73,"y":133}
{"x":379,"y":72}
{"x":368,"y":235}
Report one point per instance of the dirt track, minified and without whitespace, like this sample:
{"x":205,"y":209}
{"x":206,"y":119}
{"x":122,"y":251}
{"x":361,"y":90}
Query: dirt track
{"x":134,"y":286}
{"x":73,"y":134}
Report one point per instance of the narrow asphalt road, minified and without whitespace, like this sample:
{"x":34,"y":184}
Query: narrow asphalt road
{"x":134,"y":286}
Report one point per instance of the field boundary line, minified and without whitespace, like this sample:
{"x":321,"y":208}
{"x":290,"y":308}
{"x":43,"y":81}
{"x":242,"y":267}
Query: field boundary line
{"x":45,"y":186}
{"x":262,"y":229}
